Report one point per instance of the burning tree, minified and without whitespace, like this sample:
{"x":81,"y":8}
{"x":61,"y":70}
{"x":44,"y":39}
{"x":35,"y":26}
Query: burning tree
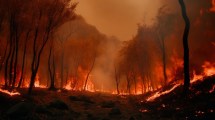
{"x":49,"y":16}
{"x":137,"y":61}
{"x":164,"y":28}
{"x":30,"y":22}
{"x":186,"y":47}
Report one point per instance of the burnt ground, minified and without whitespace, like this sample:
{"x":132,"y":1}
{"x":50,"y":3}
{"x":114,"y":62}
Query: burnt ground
{"x":67,"y":105}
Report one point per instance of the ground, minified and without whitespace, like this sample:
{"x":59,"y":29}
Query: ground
{"x":77,"y":105}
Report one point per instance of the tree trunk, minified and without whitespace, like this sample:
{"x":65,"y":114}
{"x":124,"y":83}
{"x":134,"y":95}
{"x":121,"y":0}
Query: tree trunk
{"x":85,"y":85}
{"x":11,"y":68}
{"x":7,"y":63}
{"x":23,"y":60}
{"x":186,"y":47}
{"x":3,"y":58}
{"x":117,"y":81}
{"x":164,"y":62}
{"x":36,"y":58}
{"x":33,"y":76}
{"x":51,"y":66}
{"x":62,"y":68}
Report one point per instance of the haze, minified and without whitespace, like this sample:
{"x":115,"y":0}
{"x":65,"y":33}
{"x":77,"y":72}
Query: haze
{"x":118,"y":17}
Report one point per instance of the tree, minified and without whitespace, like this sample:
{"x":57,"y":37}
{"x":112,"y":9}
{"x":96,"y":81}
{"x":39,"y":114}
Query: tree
{"x":62,"y":38}
{"x":50,"y":14}
{"x":52,"y":67}
{"x":90,"y":70}
{"x":185,"y":46}
{"x":163,"y":28}
{"x":117,"y":79}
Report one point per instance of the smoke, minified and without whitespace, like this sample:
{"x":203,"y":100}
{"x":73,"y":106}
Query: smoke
{"x":84,"y":40}
{"x":118,"y":17}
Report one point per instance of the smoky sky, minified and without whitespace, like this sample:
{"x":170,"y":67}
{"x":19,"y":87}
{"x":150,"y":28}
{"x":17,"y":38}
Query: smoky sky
{"x":118,"y":17}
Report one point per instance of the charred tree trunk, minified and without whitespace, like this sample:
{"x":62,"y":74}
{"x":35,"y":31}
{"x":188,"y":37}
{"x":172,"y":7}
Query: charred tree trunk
{"x":117,"y":81}
{"x":62,"y":69}
{"x":186,"y":47}
{"x":23,"y":60}
{"x":15,"y":62}
{"x":33,"y":64}
{"x":36,"y":58}
{"x":164,"y":61}
{"x":3,"y":58}
{"x":11,"y":68}
{"x":135,"y":83}
{"x":6,"y":65}
{"x":85,"y":85}
{"x":51,"y":66}
{"x":67,"y":74}
{"x":128,"y":84}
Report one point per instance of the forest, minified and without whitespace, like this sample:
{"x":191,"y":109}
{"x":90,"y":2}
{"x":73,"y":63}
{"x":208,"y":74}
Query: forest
{"x":56,"y":65}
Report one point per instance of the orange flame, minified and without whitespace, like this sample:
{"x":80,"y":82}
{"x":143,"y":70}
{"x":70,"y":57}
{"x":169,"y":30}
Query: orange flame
{"x":212,"y":9}
{"x":208,"y":70}
{"x":68,"y":86}
{"x":37,"y":83}
{"x":158,"y":94}
{"x":9,"y":93}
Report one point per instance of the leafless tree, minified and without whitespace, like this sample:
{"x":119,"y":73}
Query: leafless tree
{"x":186,"y":47}
{"x":163,"y":28}
{"x":50,"y":15}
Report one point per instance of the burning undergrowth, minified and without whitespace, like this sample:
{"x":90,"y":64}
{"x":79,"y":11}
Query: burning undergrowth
{"x":199,"y":104}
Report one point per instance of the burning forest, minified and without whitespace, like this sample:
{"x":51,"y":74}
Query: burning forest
{"x":104,"y":60}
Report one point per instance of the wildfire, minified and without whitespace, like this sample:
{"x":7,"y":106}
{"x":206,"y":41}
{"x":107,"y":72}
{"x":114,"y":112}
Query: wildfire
{"x":68,"y":86}
{"x":212,"y":90}
{"x":213,"y":6}
{"x":37,"y":83}
{"x":208,"y":70}
{"x":89,"y":87}
{"x":158,"y":94}
{"x":9,"y":93}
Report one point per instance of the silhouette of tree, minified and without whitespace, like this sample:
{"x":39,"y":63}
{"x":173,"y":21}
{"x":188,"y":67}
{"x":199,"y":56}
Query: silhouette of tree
{"x":186,"y":47}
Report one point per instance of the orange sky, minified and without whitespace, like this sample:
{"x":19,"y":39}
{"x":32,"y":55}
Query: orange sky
{"x":118,"y":17}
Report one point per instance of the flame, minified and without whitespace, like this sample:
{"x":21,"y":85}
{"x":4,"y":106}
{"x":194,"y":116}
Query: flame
{"x":212,"y":9}
{"x":158,"y":94}
{"x":68,"y":86}
{"x":90,"y":86}
{"x":208,"y":70}
{"x":37,"y":83}
{"x":212,"y":90}
{"x":9,"y":93}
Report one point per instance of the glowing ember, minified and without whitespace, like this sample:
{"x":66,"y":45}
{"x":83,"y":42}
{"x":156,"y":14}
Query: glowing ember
{"x":9,"y":93}
{"x":143,"y":110}
{"x":158,"y":94}
{"x":212,"y":90}
{"x":68,"y":86}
